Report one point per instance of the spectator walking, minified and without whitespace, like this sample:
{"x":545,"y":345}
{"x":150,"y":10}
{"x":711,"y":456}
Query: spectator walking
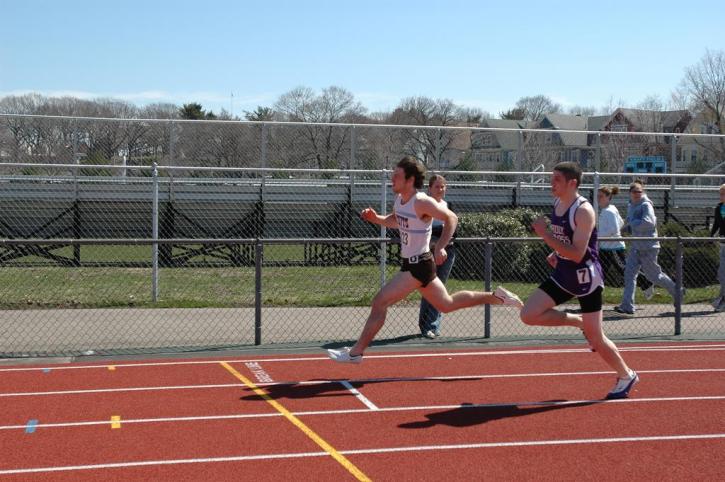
{"x":611,"y":253}
{"x":642,"y":222}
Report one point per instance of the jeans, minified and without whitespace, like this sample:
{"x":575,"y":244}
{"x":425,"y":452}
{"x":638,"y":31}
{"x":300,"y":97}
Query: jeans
{"x":645,"y":259}
{"x":721,"y":270}
{"x":429,"y":318}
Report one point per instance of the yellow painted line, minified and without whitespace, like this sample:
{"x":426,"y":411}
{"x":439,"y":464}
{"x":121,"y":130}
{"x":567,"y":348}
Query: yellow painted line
{"x":341,"y":459}
{"x":116,"y":421}
{"x":112,"y":368}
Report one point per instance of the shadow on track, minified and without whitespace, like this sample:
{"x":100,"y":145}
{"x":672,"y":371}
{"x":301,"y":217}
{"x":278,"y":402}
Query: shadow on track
{"x":469,"y":414}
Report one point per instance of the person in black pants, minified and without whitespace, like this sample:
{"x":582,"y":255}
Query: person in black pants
{"x":611,"y":253}
{"x":718,"y":226}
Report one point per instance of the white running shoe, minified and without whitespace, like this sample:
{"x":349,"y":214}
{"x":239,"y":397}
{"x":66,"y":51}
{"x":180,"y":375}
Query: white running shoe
{"x":623,"y":386}
{"x":343,"y":356}
{"x":508,"y":298}
{"x":649,"y":292}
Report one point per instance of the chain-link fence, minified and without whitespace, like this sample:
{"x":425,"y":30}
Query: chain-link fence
{"x":117,"y":301}
{"x":628,"y":141}
{"x":125,"y":235}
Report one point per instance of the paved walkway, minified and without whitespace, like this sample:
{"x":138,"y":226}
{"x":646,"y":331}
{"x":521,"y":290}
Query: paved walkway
{"x":79,"y":331}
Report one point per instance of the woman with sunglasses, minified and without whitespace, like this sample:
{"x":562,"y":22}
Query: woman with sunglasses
{"x":641,"y":222}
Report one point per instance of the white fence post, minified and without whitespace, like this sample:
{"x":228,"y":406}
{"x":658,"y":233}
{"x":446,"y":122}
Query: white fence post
{"x":383,"y":230}
{"x":155,"y":236}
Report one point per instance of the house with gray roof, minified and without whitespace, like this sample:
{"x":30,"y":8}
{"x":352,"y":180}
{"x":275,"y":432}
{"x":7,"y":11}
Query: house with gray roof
{"x":616,"y":150}
{"x":504,"y":148}
{"x":562,"y":146}
{"x":496,"y":149}
{"x":702,"y":154}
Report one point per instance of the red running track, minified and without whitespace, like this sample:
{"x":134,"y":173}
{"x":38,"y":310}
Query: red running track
{"x":501,"y":414}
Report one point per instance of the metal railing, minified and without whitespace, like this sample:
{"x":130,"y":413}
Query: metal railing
{"x":174,"y":142}
{"x":121,"y":235}
{"x":286,"y":298}
{"x":310,"y":203}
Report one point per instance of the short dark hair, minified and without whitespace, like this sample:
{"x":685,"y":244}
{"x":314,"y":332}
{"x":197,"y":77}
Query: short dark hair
{"x":413,"y":168}
{"x":570,"y":170}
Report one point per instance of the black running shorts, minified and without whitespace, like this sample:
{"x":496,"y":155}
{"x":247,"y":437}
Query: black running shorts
{"x":422,"y":267}
{"x":590,"y":303}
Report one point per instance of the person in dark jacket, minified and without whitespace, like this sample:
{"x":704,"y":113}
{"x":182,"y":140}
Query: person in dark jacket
{"x":718,"y":226}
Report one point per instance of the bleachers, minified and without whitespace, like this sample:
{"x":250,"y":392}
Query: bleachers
{"x":277,"y":208}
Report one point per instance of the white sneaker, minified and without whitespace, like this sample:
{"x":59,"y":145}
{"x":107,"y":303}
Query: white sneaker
{"x":649,"y":292}
{"x":430,"y":334}
{"x":343,"y":356}
{"x":508,"y":298}
{"x":623,"y":386}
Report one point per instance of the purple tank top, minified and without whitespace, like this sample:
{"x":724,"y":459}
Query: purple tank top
{"x":583,"y":277}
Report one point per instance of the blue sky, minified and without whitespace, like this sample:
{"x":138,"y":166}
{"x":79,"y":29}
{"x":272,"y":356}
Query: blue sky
{"x":479,"y":54}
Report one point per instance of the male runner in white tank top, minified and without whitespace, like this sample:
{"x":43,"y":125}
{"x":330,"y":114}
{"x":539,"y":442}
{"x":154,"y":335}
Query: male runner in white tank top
{"x":413,"y":214}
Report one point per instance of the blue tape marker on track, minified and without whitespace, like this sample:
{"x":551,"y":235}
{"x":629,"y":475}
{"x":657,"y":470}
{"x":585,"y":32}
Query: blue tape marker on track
{"x":30,"y":427}
{"x":46,"y":370}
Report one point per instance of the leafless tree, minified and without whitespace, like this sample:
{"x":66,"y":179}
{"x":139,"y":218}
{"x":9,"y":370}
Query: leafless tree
{"x":702,"y":90}
{"x":610,"y":106}
{"x":323,"y":146}
{"x":379,"y":148}
{"x":649,"y":114}
{"x":26,"y":133}
{"x":537,"y":106}
{"x":428,"y":145}
{"x":156,"y":142}
{"x":474,"y":115}
{"x":105,"y":138}
{"x":584,"y":111}
{"x":232,"y":144}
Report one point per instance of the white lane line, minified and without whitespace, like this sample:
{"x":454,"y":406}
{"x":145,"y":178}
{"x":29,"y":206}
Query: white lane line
{"x":419,"y":448}
{"x":498,"y":376}
{"x":655,"y":438}
{"x":359,"y":395}
{"x":661,"y":348}
{"x":360,"y":380}
{"x":353,"y":411}
{"x":125,"y":389}
{"x":146,"y":463}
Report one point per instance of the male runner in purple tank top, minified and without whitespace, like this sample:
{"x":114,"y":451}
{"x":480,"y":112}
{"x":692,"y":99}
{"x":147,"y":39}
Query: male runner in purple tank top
{"x":572,"y":235}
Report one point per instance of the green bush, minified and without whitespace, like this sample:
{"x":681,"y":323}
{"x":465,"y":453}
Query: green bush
{"x":510,"y":260}
{"x":700,"y":258}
